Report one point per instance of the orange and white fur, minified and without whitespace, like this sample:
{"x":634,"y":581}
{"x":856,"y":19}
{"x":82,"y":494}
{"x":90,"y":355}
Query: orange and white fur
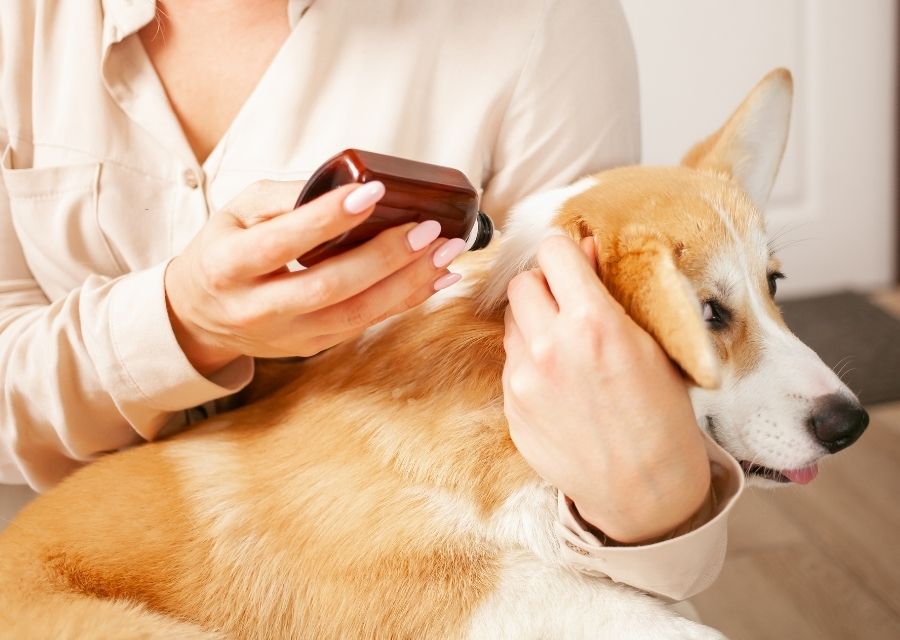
{"x":374,"y":492}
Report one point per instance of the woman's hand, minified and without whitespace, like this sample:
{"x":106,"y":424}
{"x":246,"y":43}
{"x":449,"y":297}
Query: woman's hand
{"x":229,"y":293}
{"x":594,"y":405}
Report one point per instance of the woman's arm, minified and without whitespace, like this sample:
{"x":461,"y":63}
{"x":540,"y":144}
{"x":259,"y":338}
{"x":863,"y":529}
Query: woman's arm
{"x":575,"y":109}
{"x":93,"y":371}
{"x":108,"y":364}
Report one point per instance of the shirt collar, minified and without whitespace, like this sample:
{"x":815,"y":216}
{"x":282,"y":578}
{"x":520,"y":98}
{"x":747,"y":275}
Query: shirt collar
{"x":121,"y":18}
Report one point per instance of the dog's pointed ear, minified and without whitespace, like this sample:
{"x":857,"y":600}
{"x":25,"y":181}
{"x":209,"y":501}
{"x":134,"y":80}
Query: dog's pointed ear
{"x":750,"y":145}
{"x":640,"y":272}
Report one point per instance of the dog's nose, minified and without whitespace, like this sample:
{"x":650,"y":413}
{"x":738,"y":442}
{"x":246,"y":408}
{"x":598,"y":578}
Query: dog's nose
{"x":836,"y":421}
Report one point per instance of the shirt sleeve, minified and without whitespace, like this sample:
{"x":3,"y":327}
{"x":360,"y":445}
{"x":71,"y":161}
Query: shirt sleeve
{"x":685,"y":563}
{"x":93,"y":371}
{"x":575,"y":108}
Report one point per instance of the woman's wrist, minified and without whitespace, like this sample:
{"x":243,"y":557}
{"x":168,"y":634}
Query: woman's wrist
{"x":205,"y":356}
{"x":642,"y":506}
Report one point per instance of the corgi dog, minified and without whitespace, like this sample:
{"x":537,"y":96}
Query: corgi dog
{"x":369,"y":497}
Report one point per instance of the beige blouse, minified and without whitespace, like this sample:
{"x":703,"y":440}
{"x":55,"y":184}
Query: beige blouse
{"x":100,"y":189}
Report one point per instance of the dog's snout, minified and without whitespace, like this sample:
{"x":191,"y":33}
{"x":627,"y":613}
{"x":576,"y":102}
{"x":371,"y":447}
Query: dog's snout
{"x":836,"y":421}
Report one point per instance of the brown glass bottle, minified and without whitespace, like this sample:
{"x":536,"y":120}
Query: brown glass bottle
{"x":414,"y":192}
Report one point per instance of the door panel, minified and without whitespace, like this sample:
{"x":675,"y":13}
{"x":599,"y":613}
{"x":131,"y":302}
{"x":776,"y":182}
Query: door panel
{"x":832,"y":206}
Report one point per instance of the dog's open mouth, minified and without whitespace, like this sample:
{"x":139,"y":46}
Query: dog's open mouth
{"x":804,"y":475}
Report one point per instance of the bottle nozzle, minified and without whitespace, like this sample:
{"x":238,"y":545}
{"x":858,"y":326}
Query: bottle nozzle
{"x":481,"y":233}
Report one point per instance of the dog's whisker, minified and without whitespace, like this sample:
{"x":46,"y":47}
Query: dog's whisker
{"x":792,"y":242}
{"x":779,"y":239}
{"x":788,"y":227}
{"x":841,"y":365}
{"x":841,"y":362}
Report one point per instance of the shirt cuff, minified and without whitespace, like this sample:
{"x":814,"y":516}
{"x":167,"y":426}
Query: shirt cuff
{"x":148,"y":373}
{"x":676,"y":568}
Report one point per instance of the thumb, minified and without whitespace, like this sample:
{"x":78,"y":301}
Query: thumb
{"x":263,"y":200}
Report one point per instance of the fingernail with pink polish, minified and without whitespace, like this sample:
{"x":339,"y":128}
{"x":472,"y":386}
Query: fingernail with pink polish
{"x":364,"y":197}
{"x":446,"y":280}
{"x":448,"y":251}
{"x":423,"y":234}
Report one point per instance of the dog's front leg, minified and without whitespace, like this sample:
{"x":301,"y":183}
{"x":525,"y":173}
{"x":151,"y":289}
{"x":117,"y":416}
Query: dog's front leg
{"x":537,"y":601}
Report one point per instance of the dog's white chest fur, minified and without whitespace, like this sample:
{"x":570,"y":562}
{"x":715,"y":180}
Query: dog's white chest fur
{"x":539,"y":597}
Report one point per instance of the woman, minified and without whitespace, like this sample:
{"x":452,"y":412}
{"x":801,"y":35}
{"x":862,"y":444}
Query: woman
{"x":141,"y":265}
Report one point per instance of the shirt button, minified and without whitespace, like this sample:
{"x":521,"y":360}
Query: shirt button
{"x":190,"y":179}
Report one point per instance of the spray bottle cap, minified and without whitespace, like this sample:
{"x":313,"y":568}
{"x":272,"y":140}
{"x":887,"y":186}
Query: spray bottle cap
{"x":481,"y":233}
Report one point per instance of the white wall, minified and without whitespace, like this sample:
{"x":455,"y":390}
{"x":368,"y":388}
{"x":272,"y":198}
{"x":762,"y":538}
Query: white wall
{"x":834,"y":199}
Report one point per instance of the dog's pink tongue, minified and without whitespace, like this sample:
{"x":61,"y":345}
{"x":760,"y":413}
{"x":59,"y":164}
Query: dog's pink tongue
{"x":802,"y":476}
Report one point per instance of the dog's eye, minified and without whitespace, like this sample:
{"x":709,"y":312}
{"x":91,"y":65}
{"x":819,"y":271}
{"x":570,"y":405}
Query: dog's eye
{"x":715,"y":315}
{"x":773,"y":279}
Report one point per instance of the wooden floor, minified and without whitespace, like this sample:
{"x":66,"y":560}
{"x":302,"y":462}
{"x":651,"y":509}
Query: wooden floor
{"x":819,"y":562}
